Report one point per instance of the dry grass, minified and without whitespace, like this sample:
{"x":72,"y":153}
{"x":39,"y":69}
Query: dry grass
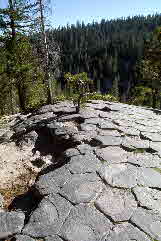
{"x":20,"y":186}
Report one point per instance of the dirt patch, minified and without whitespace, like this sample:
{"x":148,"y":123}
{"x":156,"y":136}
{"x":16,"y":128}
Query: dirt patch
{"x":19,"y":186}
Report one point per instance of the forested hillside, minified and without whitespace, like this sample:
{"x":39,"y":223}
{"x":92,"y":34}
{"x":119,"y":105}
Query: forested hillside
{"x":107,"y":51}
{"x":110,"y":57}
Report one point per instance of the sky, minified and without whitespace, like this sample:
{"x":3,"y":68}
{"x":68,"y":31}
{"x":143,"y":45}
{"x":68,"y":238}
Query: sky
{"x":69,"y":11}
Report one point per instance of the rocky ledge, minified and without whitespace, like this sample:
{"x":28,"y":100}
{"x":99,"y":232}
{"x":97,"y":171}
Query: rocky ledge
{"x":102,"y":177}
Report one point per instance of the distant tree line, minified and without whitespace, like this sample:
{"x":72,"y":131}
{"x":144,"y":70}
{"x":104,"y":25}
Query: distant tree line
{"x":108,"y":51}
{"x":120,"y":57}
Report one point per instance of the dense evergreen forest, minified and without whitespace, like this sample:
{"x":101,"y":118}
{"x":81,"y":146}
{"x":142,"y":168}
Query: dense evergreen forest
{"x":108,"y":51}
{"x":120,"y":58}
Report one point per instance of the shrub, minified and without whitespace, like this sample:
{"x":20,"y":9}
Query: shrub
{"x":80,"y":84}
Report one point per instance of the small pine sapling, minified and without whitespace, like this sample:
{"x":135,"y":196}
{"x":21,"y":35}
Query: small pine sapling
{"x":80,"y":84}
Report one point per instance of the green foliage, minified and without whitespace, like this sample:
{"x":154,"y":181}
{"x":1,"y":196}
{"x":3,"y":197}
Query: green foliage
{"x":106,"y":49}
{"x":141,"y":96}
{"x":150,"y":66}
{"x":80,"y":84}
{"x":97,"y":96}
{"x":36,"y":95}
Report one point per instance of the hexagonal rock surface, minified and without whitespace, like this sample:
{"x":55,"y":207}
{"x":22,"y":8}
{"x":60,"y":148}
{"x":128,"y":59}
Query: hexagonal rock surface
{"x":84,"y":148}
{"x":109,"y":133}
{"x":108,"y":140}
{"x":126,"y":232}
{"x":84,"y":163}
{"x":106,"y":124}
{"x":118,"y":204}
{"x":129,"y":131}
{"x":84,"y":136}
{"x":88,"y":113}
{"x":151,"y":136}
{"x":144,"y":160}
{"x":119,"y":175}
{"x":1,"y":201}
{"x":85,"y":223}
{"x":92,"y":121}
{"x":112,"y":154}
{"x":148,"y":197}
{"x":88,"y":127}
{"x":53,"y":238}
{"x":71,"y":152}
{"x":11,"y":223}
{"x":155,"y":146}
{"x":23,"y":238}
{"x":82,"y":188}
{"x":48,"y":218}
{"x":149,"y":222}
{"x":135,"y":143}
{"x":149,"y":177}
{"x":51,"y":182}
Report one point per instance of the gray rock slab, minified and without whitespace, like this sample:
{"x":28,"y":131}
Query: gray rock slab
{"x":85,"y":223}
{"x":71,"y":117}
{"x":155,"y":146}
{"x":148,"y":197}
{"x":92,"y":121}
{"x":88,"y":127}
{"x":119,"y":175}
{"x":84,"y":148}
{"x":48,"y":218}
{"x":46,"y":108}
{"x":144,"y":159}
{"x":124,"y":123}
{"x":23,"y":238}
{"x":88,"y":113}
{"x":52,"y":182}
{"x":118,"y":204}
{"x":57,"y":129}
{"x":112,"y":107}
{"x":129,"y":131}
{"x":84,"y":136}
{"x":29,"y":138}
{"x":71,"y":152}
{"x":151,"y":136}
{"x":53,"y":238}
{"x":108,"y":140}
{"x":126,"y":232}
{"x":112,"y":154}
{"x":87,"y":163}
{"x":1,"y":201}
{"x":82,"y":188}
{"x":149,"y":177}
{"x":107,"y":124}
{"x":64,"y":109}
{"x":148,"y":129}
{"x":103,"y":114}
{"x":11,"y":223}
{"x":149,"y":222}
{"x":32,"y":123}
{"x":109,"y":133}
{"x":135,"y":143}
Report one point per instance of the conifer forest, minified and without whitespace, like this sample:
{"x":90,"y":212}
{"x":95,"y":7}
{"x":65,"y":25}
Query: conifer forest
{"x":121,"y":57}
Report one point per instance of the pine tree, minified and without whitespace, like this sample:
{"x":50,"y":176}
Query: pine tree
{"x":151,"y":65}
{"x":19,"y":64}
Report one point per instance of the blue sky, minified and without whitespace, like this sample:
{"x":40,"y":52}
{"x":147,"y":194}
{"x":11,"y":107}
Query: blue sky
{"x":69,"y":11}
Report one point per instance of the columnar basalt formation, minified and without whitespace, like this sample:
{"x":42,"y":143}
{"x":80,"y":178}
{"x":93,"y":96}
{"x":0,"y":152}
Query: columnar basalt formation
{"x":102,"y":175}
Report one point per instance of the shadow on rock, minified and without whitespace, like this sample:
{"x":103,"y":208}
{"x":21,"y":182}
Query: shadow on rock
{"x":48,"y":144}
{"x":26,"y":202}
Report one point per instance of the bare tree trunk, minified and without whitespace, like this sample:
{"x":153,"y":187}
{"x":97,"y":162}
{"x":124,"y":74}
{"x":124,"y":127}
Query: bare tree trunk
{"x":21,"y":95}
{"x":13,"y":34}
{"x":46,"y":52}
{"x":154,"y":97}
{"x":11,"y":99}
